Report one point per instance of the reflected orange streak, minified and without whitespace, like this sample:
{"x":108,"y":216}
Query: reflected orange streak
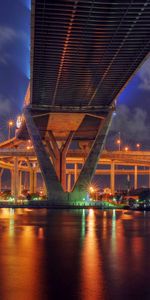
{"x":91,"y":277}
{"x":20,"y":267}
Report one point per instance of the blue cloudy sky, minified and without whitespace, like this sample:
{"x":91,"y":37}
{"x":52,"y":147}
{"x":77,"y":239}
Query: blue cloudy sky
{"x":133,"y":108}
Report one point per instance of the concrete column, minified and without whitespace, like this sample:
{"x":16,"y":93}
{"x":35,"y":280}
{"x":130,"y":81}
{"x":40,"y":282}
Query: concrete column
{"x":135,"y":177}
{"x":0,"y":183}
{"x":12,"y":182}
{"x":69,"y":183}
{"x":75,"y":172}
{"x":59,"y":156}
{"x":16,"y":181}
{"x":88,"y":170}
{"x":35,"y":181}
{"x":1,"y":173}
{"x":44,"y":188}
{"x":112,"y":178}
{"x":54,"y":190}
{"x":63,"y":153}
{"x":20,"y":182}
{"x":63,"y":170}
{"x":54,"y":152}
{"x":31,"y":181}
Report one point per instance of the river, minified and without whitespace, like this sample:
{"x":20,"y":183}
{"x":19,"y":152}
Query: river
{"x":74,"y":254}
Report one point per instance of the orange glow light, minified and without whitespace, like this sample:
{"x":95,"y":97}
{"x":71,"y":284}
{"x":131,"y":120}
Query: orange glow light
{"x":10,"y":123}
{"x":118,"y":142}
{"x":91,"y":189}
{"x":126,"y":148}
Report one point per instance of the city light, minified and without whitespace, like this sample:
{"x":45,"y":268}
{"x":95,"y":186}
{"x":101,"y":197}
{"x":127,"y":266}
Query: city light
{"x":91,"y":189}
{"x":126,"y":148}
{"x":10,"y":125}
{"x":119,"y":144}
{"x":138,"y":146}
{"x":119,"y":141}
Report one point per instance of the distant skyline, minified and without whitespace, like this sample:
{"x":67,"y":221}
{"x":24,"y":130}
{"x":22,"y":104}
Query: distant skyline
{"x":133,"y":106}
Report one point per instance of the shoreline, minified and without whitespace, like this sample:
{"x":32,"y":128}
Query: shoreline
{"x":78,"y":205}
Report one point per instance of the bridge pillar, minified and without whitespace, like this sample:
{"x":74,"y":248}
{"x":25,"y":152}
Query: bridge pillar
{"x":75,"y":172}
{"x":20,"y":182}
{"x":16,"y":177}
{"x":44,"y":188}
{"x":31,"y":181}
{"x":12,"y":181}
{"x":69,"y":183}
{"x":1,"y":173}
{"x":35,"y":181}
{"x":112,"y":178}
{"x":54,"y":189}
{"x":85,"y":177}
{"x":58,"y":156}
{"x":135,"y":177}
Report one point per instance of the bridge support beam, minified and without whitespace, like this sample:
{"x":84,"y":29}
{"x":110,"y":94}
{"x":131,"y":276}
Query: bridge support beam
{"x":12,"y":181}
{"x":85,"y":177}
{"x":58,"y":156}
{"x":31,"y":181}
{"x":16,"y":177}
{"x":35,"y":182}
{"x":112,"y":178}
{"x":20,"y":182}
{"x":54,"y":189}
{"x":69,"y":183}
{"x":1,"y":173}
{"x":135,"y":177}
{"x":75,"y":172}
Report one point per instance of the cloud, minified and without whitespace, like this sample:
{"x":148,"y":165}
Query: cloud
{"x":5,"y":105}
{"x":132,"y":124}
{"x":9,"y":35}
{"x":144,"y":75}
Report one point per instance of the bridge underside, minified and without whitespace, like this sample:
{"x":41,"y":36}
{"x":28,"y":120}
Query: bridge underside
{"x":83,"y":53}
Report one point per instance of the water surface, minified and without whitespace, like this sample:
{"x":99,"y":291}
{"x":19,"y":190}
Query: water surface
{"x":74,"y":254}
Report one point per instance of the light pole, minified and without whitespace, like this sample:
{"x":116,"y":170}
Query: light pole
{"x":119,"y":144}
{"x":10,"y":125}
{"x":119,"y":141}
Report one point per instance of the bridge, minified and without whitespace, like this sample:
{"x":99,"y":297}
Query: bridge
{"x":20,"y":159}
{"x":83,"y":53}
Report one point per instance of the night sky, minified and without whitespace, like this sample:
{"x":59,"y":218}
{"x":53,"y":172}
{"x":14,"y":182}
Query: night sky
{"x":133,"y":109}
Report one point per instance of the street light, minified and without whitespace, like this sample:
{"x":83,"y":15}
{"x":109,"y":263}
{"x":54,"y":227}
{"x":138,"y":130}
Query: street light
{"x":138,"y":146}
{"x":10,"y":125}
{"x":126,"y":148}
{"x":118,"y":141}
{"x":119,"y":144}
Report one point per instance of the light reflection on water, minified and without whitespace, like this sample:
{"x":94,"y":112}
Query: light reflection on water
{"x":74,"y":254}
{"x":91,"y":277}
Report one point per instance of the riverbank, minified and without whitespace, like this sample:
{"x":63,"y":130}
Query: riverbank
{"x":47,"y":204}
